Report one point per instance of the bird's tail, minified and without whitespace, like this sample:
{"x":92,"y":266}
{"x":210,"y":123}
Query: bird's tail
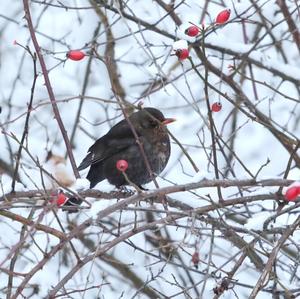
{"x":95,"y":174}
{"x":86,"y":162}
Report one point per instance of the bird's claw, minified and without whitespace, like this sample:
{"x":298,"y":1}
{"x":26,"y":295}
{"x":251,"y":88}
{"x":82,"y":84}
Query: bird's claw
{"x":142,"y":188}
{"x":124,"y":190}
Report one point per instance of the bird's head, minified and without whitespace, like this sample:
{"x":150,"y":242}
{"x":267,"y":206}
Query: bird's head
{"x":150,"y":118}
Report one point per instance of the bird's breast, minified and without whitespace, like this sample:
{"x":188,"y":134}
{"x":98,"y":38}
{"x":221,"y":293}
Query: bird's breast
{"x":159,"y":154}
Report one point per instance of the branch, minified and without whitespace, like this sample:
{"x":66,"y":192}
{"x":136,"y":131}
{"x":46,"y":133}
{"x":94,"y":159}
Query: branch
{"x":37,"y":226}
{"x":265,"y":276}
{"x":49,"y":88}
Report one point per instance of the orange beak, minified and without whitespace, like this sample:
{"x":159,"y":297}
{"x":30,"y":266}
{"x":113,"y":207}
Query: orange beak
{"x":168,"y":121}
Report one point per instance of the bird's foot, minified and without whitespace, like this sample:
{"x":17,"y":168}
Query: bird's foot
{"x":142,"y":188}
{"x":124,"y":190}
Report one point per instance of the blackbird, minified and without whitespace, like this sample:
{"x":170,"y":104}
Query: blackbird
{"x":120,"y":144}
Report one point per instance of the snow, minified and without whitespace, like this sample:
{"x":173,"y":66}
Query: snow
{"x":180,"y":44}
{"x":260,"y":58}
{"x":105,"y":186}
{"x":258,"y":221}
{"x":81,"y":184}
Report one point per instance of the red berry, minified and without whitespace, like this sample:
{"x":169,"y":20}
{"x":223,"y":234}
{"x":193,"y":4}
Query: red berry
{"x":195,"y":259}
{"x":292,"y":193}
{"x":75,"y":55}
{"x":182,"y":54}
{"x":223,"y":16}
{"x":60,"y":199}
{"x":122,"y":165}
{"x":192,"y":31}
{"x":216,"y":107}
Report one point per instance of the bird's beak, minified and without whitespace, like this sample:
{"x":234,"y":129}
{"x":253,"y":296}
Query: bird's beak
{"x":168,"y":121}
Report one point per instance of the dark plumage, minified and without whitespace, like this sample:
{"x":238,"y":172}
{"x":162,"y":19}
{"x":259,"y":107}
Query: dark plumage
{"x":120,"y":144}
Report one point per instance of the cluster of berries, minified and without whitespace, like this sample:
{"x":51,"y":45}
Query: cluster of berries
{"x":182,"y":54}
{"x":194,"y":31}
{"x":181,"y":50}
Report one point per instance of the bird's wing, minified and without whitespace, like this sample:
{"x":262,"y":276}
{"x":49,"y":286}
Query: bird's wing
{"x":117,"y":139}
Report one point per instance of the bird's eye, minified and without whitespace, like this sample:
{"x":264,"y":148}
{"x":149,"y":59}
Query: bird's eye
{"x":153,"y":123}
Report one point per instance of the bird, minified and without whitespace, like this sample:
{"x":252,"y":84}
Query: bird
{"x":120,"y":143}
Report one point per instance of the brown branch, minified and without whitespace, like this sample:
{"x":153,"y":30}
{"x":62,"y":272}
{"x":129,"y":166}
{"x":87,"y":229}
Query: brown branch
{"x":122,"y":268}
{"x":166,"y":190}
{"x":210,"y":117}
{"x":49,"y":88}
{"x":265,"y":276}
{"x":46,"y":229}
{"x":170,"y":9}
{"x":84,"y":87}
{"x":292,"y":26}
{"x":26,"y":125}
{"x":285,"y":140}
{"x":15,"y":257}
{"x":109,"y":57}
{"x":247,"y":57}
{"x":120,"y":205}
